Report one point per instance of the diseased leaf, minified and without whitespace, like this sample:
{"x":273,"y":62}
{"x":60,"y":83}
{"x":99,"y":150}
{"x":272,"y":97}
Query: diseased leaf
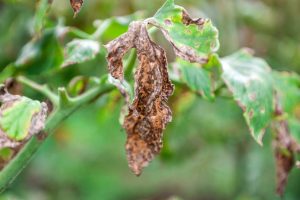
{"x":284,"y":159}
{"x":76,"y":5}
{"x":192,"y":39}
{"x":284,"y":146}
{"x":196,"y":77}
{"x":249,"y":79}
{"x":79,"y":51}
{"x":149,"y":112}
{"x":20,"y":118}
{"x":287,"y":87}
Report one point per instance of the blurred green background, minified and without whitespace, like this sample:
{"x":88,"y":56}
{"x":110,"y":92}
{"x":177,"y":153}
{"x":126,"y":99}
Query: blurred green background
{"x":208,"y":152}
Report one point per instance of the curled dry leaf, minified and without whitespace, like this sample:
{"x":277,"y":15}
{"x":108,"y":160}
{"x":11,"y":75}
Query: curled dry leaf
{"x":149,"y":112}
{"x":20,"y":119}
{"x":284,"y":156}
{"x":285,"y":148}
{"x":76,"y":5}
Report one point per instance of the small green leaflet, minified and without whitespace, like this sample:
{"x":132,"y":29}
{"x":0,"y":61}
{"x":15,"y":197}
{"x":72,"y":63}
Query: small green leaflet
{"x":196,"y":77}
{"x":192,"y":39}
{"x":79,"y":51}
{"x":21,"y":117}
{"x":250,"y":80}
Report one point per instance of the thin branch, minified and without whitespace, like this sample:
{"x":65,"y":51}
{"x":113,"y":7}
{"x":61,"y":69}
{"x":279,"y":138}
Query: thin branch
{"x":43,"y":89}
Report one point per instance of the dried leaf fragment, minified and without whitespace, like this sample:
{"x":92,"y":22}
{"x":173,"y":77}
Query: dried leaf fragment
{"x":284,"y":156}
{"x":149,"y":112}
{"x":76,"y":5}
{"x":285,"y":148}
{"x":20,"y":119}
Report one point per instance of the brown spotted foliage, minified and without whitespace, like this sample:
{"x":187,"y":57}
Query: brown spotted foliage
{"x":149,"y":112}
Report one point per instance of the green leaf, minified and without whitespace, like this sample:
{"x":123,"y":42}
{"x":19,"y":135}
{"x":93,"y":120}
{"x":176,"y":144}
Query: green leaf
{"x":250,"y":80}
{"x":193,"y":40}
{"x":21,"y":117}
{"x":42,"y":54}
{"x":79,"y":51}
{"x":196,"y":77}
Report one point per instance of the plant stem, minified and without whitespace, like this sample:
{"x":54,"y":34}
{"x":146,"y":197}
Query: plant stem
{"x":19,"y":162}
{"x":43,"y":89}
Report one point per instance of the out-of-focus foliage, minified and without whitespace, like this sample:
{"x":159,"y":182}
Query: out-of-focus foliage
{"x":250,"y":81}
{"x":208,"y":153}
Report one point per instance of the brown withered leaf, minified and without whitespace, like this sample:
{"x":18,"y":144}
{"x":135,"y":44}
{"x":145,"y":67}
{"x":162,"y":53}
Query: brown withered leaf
{"x":284,"y":156}
{"x":76,"y":5}
{"x":285,"y":148}
{"x":149,"y":112}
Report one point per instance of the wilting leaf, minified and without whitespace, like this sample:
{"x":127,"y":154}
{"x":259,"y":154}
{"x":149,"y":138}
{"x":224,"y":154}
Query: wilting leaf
{"x":192,"y":39}
{"x":287,"y":87}
{"x":284,"y":146}
{"x":284,"y":163}
{"x":76,"y":5}
{"x":149,"y":112}
{"x":79,"y":51}
{"x":196,"y":77}
{"x":42,"y":54}
{"x":250,"y":81}
{"x":20,"y":118}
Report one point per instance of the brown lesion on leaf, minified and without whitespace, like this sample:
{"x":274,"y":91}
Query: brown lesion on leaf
{"x":11,"y":145}
{"x":285,"y":148}
{"x":185,"y":52}
{"x":187,"y":20}
{"x":168,"y":22}
{"x":284,"y":156}
{"x":76,"y":5}
{"x":149,"y":112}
{"x":37,"y":122}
